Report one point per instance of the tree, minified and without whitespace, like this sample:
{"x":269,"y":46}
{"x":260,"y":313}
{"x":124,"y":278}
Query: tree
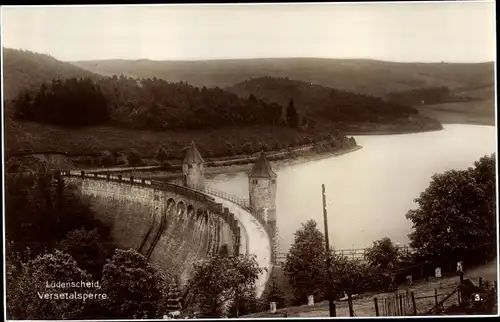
{"x":89,"y":248}
{"x":455,"y":218}
{"x":133,"y":158}
{"x":173,"y":298}
{"x":383,"y":254}
{"x":133,"y":286}
{"x":220,"y":281}
{"x":275,"y":294}
{"x":41,"y":209}
{"x":292,"y":117}
{"x":305,"y":262}
{"x":351,"y":276}
{"x":28,"y":297}
{"x":161,"y":154}
{"x":72,"y":102}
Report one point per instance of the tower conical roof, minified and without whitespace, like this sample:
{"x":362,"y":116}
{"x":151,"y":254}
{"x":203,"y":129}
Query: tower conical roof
{"x":262,"y":168}
{"x":192,"y":155}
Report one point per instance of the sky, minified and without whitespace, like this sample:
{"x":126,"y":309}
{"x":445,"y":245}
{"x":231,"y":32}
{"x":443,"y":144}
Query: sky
{"x":404,"y":32}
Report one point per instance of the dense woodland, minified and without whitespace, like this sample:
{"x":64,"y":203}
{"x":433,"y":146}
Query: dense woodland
{"x":159,"y":105}
{"x":152,"y":104}
{"x":319,"y":102}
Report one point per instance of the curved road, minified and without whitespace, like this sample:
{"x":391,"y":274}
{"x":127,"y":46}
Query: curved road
{"x":256,"y":240}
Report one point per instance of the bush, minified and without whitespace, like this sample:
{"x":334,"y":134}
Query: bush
{"x":247,"y":148}
{"x":162,"y":154}
{"x":263,"y":147}
{"x":120,"y":158}
{"x":89,"y":248}
{"x":133,"y":158}
{"x":134,"y":287}
{"x":23,"y":303}
{"x":383,"y":254}
{"x":230,"y":149}
{"x":106,"y":159}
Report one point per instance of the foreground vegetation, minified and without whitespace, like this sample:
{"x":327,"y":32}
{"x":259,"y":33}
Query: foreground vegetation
{"x":443,"y":234}
{"x":53,"y":236}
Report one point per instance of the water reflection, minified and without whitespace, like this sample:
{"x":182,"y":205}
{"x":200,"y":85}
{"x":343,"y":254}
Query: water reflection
{"x":368,"y":191}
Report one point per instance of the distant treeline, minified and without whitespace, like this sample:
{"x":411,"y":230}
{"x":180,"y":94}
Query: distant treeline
{"x":425,"y":96}
{"x":323,"y":103}
{"x":152,"y":104}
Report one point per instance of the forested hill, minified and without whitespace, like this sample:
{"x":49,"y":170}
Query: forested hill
{"x":152,"y":104}
{"x":25,"y":69}
{"x":322,"y":102}
{"x":371,"y":77}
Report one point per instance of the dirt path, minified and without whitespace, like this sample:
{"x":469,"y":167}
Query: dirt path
{"x":364,"y":305}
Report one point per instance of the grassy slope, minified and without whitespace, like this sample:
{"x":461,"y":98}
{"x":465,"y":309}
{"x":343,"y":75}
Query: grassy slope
{"x":364,"y":305}
{"x":364,"y":76}
{"x":22,"y":69}
{"x":36,"y":137}
{"x":474,"y":112}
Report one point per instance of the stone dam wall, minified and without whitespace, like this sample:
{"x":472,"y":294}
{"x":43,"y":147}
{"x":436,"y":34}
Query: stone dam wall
{"x":172,"y":226}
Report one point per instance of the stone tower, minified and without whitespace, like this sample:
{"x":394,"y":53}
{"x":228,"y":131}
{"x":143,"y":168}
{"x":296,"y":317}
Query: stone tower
{"x":193,"y":168}
{"x":262,"y":190}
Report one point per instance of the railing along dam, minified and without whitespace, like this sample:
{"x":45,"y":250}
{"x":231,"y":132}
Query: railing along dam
{"x":171,"y":225}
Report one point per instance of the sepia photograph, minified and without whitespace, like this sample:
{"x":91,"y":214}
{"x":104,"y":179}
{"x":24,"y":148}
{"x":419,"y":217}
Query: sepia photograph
{"x":249,"y":161}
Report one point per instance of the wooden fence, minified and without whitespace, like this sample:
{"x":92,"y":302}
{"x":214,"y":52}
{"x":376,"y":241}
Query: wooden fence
{"x":396,"y":305}
{"x":409,"y":304}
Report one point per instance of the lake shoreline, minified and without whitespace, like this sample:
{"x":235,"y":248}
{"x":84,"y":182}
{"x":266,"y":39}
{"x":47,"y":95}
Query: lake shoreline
{"x":354,"y":133}
{"x":236,"y":168}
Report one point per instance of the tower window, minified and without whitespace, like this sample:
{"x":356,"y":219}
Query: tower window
{"x":273,"y":181}
{"x":190,"y":166}
{"x":254,"y":181}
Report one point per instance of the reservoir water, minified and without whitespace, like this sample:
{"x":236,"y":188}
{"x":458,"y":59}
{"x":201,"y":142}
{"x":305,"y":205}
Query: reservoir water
{"x":369,"y":191}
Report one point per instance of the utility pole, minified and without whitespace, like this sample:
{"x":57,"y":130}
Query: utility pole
{"x":331,"y":305}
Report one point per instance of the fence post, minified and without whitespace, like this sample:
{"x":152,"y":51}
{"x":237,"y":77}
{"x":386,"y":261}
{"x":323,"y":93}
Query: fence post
{"x":436,"y":296}
{"x":400,"y":305}
{"x":376,"y":306}
{"x":414,"y":304}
